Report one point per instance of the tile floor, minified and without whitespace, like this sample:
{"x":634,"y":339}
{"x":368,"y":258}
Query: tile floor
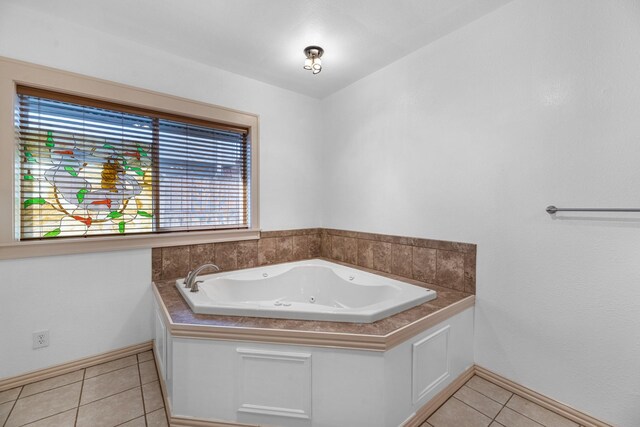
{"x":480,"y":403}
{"x":124,"y":392}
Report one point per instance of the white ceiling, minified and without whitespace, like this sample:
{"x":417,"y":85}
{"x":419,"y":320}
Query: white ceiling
{"x":264,"y":39}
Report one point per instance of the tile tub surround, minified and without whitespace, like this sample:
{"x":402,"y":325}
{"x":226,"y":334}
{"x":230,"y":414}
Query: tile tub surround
{"x":124,"y":391}
{"x":273,"y":247}
{"x":434,"y":262}
{"x":450,"y":265}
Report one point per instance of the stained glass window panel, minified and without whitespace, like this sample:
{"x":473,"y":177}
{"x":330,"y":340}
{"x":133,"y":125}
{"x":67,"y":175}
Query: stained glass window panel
{"x":84,"y":170}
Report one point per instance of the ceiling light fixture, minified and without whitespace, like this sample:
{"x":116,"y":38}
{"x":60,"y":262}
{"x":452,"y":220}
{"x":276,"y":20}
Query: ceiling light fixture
{"x":313,"y":61}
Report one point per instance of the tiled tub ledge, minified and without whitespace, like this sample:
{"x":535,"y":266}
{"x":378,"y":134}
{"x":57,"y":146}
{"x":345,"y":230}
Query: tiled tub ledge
{"x":378,"y":336}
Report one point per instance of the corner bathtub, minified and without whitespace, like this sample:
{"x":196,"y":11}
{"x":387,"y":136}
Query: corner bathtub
{"x":307,"y":290}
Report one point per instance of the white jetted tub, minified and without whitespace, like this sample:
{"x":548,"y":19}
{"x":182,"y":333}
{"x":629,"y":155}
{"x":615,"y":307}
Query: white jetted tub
{"x":309,"y":290}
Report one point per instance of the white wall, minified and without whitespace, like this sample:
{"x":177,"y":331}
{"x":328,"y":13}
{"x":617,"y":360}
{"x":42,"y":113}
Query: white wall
{"x":90,"y":303}
{"x":288,"y":194}
{"x":469,"y":139}
{"x":51,"y":293}
{"x":466,"y":139}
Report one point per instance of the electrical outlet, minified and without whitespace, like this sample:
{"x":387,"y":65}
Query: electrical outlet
{"x":40,"y":339}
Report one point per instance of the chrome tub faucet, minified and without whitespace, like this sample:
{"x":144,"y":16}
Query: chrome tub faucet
{"x":191,"y":282}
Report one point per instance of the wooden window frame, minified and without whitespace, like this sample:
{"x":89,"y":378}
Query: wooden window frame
{"x":17,"y":73}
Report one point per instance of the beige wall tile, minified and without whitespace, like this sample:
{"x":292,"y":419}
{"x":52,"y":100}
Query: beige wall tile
{"x":112,"y":410}
{"x":365,"y":253}
{"x":300,"y":247}
{"x":538,"y":413}
{"x":110,"y":366}
{"x":478,"y":401}
{"x":337,"y":248}
{"x":44,"y":404}
{"x":156,"y":264}
{"x":424,"y":264}
{"x":284,"y":249}
{"x":325,"y":244}
{"x":490,"y":390}
{"x":248,"y":254}
{"x":201,"y":254}
{"x":382,"y":256}
{"x":109,"y":384}
{"x":315,"y":243}
{"x":152,"y":396}
{"x":401,"y":260}
{"x":450,"y":270}
{"x":455,"y":413}
{"x":226,"y":255}
{"x":470,"y":272}
{"x":175,"y":262}
{"x":51,"y":383}
{"x":351,"y":250}
{"x":267,"y":251}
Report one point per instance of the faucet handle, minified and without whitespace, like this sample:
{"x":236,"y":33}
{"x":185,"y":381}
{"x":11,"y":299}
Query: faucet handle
{"x":194,"y":288}
{"x":188,"y":279}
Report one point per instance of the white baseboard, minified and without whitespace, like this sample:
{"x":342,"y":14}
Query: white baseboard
{"x":65,"y":368}
{"x":553,"y":405}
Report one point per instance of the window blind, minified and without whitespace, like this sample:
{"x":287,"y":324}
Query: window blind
{"x":93,"y":168}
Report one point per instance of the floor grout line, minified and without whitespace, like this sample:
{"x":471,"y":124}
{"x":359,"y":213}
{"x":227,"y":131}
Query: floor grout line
{"x":164,"y":408}
{"x":529,"y":418}
{"x":13,"y":407}
{"x":75,"y":422}
{"x":466,"y":404}
{"x":44,"y":391}
{"x":111,"y":395}
{"x":503,"y":405}
{"x":109,"y":372}
{"x":443,"y":403}
{"x":144,"y":407}
{"x":489,"y":397}
{"x":494,"y":418}
{"x":143,"y":417}
{"x":44,"y":418}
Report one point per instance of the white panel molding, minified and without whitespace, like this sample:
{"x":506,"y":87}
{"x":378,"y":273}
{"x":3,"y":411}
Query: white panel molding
{"x":160,"y":343}
{"x":300,"y":362}
{"x":420,"y":392}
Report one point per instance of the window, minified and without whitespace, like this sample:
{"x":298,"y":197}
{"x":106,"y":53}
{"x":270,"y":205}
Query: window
{"x":92,"y":168}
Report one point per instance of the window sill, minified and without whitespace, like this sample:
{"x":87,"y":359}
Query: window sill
{"x":51,"y":247}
